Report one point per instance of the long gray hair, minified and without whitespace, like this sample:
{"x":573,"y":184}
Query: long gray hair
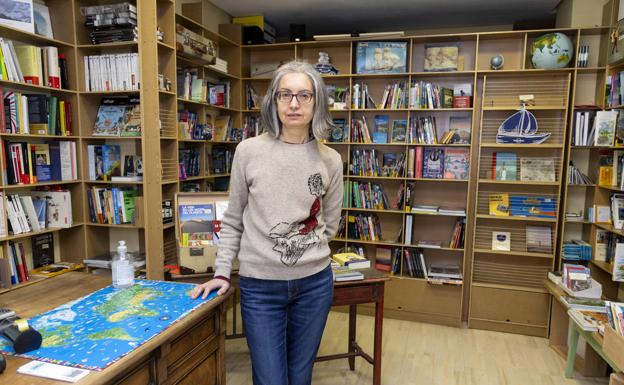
{"x":321,"y":120}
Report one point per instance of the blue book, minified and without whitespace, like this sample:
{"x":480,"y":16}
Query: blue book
{"x":55,"y":160}
{"x":41,"y":208}
{"x":111,"y":159}
{"x":43,"y":172}
{"x":380,"y":135}
{"x":506,"y":165}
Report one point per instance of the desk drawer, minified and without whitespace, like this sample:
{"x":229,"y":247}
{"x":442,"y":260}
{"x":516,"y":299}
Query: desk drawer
{"x":191,"y":338}
{"x":350,"y":295}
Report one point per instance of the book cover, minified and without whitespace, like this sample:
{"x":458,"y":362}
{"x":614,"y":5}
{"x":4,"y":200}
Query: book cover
{"x":461,"y":128}
{"x":433,"y":163}
{"x":506,"y":166}
{"x":501,"y":240}
{"x":42,"y":250}
{"x":381,"y":57}
{"x":111,"y":161}
{"x":389,"y":167}
{"x":399,"y":130}
{"x":196,"y":224}
{"x":499,"y":205}
{"x":605,"y":128}
{"x":456,"y":163}
{"x":380,"y":135}
{"x":111,"y":116}
{"x":537,"y":169}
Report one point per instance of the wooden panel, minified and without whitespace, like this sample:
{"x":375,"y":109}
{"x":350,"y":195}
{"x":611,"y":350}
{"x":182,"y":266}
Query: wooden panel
{"x":510,"y":306}
{"x":537,"y":331}
{"x":199,"y":366}
{"x":144,"y":374}
{"x":187,"y":341}
{"x":419,"y":296}
{"x":350,"y":295}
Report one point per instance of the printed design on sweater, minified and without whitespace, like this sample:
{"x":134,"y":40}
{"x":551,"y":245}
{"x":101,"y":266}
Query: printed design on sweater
{"x":293,"y":239}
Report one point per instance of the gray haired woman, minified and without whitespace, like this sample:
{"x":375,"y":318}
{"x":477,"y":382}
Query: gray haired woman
{"x":285,"y":201}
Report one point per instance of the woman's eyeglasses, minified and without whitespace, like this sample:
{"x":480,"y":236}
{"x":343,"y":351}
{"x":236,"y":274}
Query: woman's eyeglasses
{"x":303,"y":97}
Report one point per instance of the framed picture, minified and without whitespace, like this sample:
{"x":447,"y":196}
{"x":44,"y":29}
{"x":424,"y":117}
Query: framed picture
{"x":381,"y":57}
{"x":17,"y":14}
{"x":441,"y":57}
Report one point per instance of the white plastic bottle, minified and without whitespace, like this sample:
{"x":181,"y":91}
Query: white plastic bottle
{"x":123,"y":269}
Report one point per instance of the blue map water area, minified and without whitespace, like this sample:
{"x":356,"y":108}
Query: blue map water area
{"x":96,"y":330}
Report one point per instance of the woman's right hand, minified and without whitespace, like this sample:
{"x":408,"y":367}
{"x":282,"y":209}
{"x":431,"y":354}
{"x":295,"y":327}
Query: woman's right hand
{"x":205,"y":288}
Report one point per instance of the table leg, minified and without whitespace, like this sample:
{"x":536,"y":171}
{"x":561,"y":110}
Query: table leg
{"x":352,"y":324}
{"x":378,"y":335}
{"x":572,"y":345}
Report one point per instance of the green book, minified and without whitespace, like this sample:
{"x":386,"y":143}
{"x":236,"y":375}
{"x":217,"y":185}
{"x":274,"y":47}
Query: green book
{"x":53,"y":111}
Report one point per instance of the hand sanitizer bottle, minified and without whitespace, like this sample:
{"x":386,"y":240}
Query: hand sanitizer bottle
{"x":123,"y":269}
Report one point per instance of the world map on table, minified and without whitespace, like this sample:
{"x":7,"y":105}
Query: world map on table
{"x":96,"y":330}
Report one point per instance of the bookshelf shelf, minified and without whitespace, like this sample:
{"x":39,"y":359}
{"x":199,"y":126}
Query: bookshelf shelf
{"x":388,"y":211}
{"x":103,"y":46}
{"x":438,"y":180}
{"x":373,"y":177}
{"x":381,"y":76}
{"x":102,"y":137}
{"x":515,"y":253}
{"x":433,"y":214}
{"x":113,"y":226}
{"x":581,"y":185}
{"x":33,"y":279}
{"x":517,"y":218}
{"x":607,"y":267}
{"x":517,"y":182}
{"x":509,"y":287}
{"x":384,"y":243}
{"x":207,"y":32}
{"x":119,"y":92}
{"x":609,"y":228}
{"x":516,"y":146}
{"x":438,"y":145}
{"x":35,"y":233}
{"x":165,"y":46}
{"x":41,"y":184}
{"x":112,"y":182}
{"x":221,"y":73}
{"x":165,"y":92}
{"x":33,"y":136}
{"x":516,"y":108}
{"x":34,"y":88}
{"x":375,"y":144}
{"x":442,"y":73}
{"x":611,"y":188}
{"x":17,"y":34}
{"x":167,"y":226}
{"x":439,"y":109}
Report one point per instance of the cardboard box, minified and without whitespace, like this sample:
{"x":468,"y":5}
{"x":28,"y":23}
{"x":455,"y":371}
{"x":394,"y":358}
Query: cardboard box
{"x":613,"y":347}
{"x":200,"y":258}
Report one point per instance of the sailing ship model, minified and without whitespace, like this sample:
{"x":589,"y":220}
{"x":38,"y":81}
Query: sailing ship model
{"x":520,"y":128}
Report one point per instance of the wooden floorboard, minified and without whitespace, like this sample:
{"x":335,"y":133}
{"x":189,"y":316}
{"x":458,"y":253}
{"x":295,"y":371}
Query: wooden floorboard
{"x":419,"y":353}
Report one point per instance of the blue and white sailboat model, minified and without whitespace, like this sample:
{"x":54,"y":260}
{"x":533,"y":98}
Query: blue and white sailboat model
{"x":520,"y":128}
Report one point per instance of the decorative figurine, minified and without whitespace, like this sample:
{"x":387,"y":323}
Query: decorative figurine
{"x":324,"y":65}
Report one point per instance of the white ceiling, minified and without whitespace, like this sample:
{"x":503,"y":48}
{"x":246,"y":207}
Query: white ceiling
{"x":343,"y":16}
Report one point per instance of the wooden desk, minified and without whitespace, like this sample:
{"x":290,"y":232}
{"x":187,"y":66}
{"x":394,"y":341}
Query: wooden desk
{"x":352,"y":293}
{"x":594,"y":339}
{"x":192,"y":351}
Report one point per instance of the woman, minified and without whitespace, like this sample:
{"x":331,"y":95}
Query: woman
{"x":285,"y":201}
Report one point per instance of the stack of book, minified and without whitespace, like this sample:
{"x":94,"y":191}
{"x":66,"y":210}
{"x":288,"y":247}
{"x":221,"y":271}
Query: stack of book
{"x":35,"y":114}
{"x":190,"y":162}
{"x":118,"y":116}
{"x":30,"y":163}
{"x":113,"y":72}
{"x":459,"y":234}
{"x":366,"y":195}
{"x":445,"y":275}
{"x":583,"y":134}
{"x":37,"y":211}
{"x":425,"y":209}
{"x":438,"y":163}
{"x":414,"y":263}
{"x":30,"y":64}
{"x":221,"y":160}
{"x":111,"y":23}
{"x":113,"y":206}
{"x":615,"y":315}
{"x":220,"y":65}
{"x":576,"y":176}
{"x":577,"y":250}
{"x":365,"y":163}
{"x":430,"y":96}
{"x":365,"y":227}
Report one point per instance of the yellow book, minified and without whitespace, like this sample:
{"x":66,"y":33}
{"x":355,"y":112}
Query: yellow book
{"x":3,"y":69}
{"x":62,"y":117}
{"x":499,"y":205}
{"x":606,"y":176}
{"x":27,"y":58}
{"x":351,"y":260}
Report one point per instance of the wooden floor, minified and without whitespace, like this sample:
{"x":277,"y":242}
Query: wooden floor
{"x":418,"y":353}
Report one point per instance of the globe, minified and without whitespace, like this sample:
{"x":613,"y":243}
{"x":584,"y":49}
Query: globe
{"x":496,"y":62}
{"x":551,"y":50}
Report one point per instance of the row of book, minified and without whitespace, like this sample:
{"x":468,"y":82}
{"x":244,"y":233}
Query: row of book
{"x":118,"y":116}
{"x":365,"y":227}
{"x":438,"y":163}
{"x":15,"y":266}
{"x":111,"y":23}
{"x":537,"y":239}
{"x":415,"y":266}
{"x":365,"y":195}
{"x":189,"y":159}
{"x":35,"y":211}
{"x":614,"y":91}
{"x":521,"y":205}
{"x":456,"y":240}
{"x":34,"y":114}
{"x":39,"y":66}
{"x":105,"y":163}
{"x":576,"y":176}
{"x":365,"y":163}
{"x":192,"y":87}
{"x":576,"y":250}
{"x":422,"y":130}
{"x":189,"y":128}
{"x":112,"y":72}
{"x":508,"y":166}
{"x":113,"y":206}
{"x":30,"y":163}
{"x":432,"y":96}
{"x":611,"y":168}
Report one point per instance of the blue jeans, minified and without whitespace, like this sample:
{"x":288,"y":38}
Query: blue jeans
{"x":283,"y":322}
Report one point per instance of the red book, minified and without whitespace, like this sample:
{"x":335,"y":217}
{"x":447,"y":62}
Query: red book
{"x":418,"y":165}
{"x":68,"y":128}
{"x":23,"y":257}
{"x":2,"y":117}
{"x":493,"y":165}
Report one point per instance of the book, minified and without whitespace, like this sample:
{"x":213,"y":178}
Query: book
{"x":53,"y":371}
{"x":433,"y":163}
{"x":399,"y":130}
{"x":351,"y":260}
{"x":347,"y":275}
{"x":383,"y":258}
{"x":605,"y":122}
{"x":456,"y":163}
{"x":380,"y":135}
{"x":42,"y":250}
{"x":539,"y":239}
{"x":17,"y":14}
{"x":111,"y":116}
{"x":501,"y":240}
{"x":461,"y":128}
{"x":43,"y":23}
{"x":537,"y":169}
{"x":196,"y":225}
{"x":618,"y":263}
{"x":111,"y":161}
{"x":590,"y":320}
{"x":499,"y":205}
{"x":505,"y":165}
{"x":444,"y":271}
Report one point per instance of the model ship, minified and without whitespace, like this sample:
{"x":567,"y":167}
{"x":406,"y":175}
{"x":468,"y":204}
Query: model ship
{"x":520,"y":128}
